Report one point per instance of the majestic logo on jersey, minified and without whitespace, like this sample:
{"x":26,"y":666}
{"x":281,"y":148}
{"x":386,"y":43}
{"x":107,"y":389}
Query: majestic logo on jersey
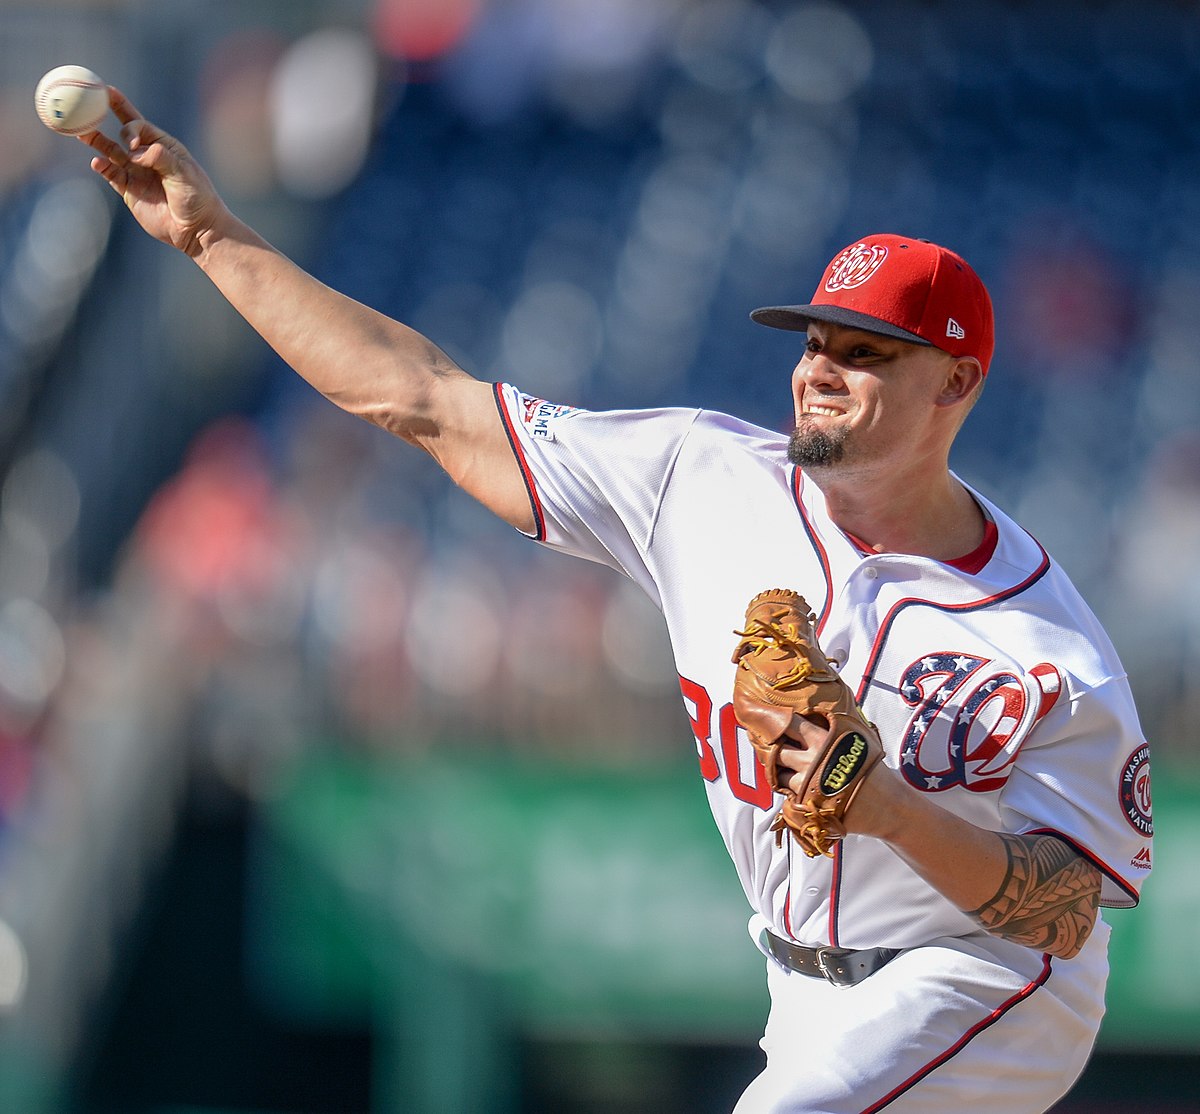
{"x":1142,"y":859}
{"x":845,"y":763}
{"x":538,"y":416}
{"x":854,"y":266}
{"x":970,"y":717}
{"x":1135,"y":791}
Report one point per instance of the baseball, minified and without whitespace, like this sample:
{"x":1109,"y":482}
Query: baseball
{"x":71,"y":100}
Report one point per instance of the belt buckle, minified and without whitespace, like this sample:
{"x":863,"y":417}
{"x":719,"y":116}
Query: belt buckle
{"x":831,"y":974}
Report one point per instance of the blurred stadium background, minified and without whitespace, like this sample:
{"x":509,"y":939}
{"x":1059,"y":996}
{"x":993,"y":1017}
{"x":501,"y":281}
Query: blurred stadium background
{"x":239,"y":631}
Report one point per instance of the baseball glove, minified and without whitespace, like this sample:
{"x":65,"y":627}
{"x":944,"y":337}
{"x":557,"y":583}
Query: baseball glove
{"x":782,"y":672}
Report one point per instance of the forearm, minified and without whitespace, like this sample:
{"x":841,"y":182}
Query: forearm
{"x":1047,"y":897}
{"x":1032,"y":889}
{"x":361,"y":360}
{"x":370,"y":365}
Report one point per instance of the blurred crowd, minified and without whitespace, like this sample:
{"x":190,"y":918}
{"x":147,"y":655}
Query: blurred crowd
{"x":315,"y":608}
{"x":586,"y":198}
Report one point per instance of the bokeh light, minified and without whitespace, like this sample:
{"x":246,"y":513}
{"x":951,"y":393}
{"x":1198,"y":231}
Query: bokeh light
{"x":322,"y":100}
{"x":420,"y":30}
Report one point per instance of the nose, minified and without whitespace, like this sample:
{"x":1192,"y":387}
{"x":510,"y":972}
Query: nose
{"x":816,"y":369}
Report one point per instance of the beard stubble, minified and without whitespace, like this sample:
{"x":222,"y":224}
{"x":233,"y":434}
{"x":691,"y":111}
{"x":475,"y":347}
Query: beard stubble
{"x":809,"y":447}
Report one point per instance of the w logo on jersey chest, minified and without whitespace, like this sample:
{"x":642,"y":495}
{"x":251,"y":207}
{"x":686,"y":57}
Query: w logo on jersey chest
{"x":970,"y":716}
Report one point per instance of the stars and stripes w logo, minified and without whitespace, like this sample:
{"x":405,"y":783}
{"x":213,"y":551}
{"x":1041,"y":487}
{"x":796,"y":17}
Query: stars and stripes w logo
{"x":970,"y":717}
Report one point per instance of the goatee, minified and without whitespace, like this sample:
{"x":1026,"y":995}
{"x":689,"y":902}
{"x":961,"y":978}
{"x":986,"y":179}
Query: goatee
{"x":810,"y":447}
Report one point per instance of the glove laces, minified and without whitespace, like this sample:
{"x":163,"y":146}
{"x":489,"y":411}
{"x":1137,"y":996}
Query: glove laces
{"x":761,"y":635}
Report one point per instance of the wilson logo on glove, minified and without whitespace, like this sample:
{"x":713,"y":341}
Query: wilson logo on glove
{"x":845,"y":763}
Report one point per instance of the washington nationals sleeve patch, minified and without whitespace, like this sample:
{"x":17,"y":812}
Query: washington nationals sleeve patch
{"x":1135,"y":791}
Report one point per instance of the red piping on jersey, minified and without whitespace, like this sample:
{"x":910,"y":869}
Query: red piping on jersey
{"x":965,"y":1039}
{"x":535,"y":503}
{"x":787,"y":904}
{"x":873,"y":661}
{"x":835,"y":893}
{"x":826,"y":607}
{"x":1095,"y":860}
{"x":797,"y":484}
{"x":971,"y":605}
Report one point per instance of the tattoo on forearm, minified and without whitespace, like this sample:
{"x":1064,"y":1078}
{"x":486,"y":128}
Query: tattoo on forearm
{"x":1048,"y":898}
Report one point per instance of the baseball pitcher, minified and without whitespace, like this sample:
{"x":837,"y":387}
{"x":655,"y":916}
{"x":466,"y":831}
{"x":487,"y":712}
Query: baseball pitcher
{"x":918,"y":744}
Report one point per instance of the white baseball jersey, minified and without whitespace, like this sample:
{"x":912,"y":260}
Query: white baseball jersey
{"x":993,"y":686}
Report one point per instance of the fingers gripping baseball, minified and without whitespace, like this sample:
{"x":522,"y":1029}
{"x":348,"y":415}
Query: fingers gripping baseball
{"x":155,"y":175}
{"x":808,"y":732}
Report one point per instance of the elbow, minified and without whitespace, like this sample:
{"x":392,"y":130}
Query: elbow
{"x":1076,"y":924}
{"x":404,"y":423}
{"x":1069,"y":941}
{"x":1049,"y":899}
{"x":1064,"y":935}
{"x":1078,"y":919}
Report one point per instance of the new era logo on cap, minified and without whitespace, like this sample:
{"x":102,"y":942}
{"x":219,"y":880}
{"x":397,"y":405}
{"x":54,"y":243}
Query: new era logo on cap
{"x":899,"y":287}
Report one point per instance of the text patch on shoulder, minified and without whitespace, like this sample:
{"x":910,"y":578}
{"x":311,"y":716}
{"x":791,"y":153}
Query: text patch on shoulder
{"x":539,"y":416}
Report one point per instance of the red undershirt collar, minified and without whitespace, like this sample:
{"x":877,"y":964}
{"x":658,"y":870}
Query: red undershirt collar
{"x":970,"y":563}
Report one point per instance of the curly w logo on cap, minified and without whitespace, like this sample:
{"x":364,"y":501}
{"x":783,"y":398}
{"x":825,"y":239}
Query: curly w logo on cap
{"x":854,"y":266}
{"x":899,"y":287}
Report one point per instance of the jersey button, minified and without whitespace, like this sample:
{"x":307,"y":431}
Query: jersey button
{"x":812,"y":891}
{"x":870,"y":572}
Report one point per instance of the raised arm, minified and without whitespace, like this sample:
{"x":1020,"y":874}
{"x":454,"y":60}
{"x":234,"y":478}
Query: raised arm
{"x":363,"y":361}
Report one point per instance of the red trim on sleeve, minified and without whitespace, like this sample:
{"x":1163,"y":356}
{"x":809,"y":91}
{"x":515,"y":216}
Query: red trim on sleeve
{"x":1098,"y":863}
{"x":535,"y":503}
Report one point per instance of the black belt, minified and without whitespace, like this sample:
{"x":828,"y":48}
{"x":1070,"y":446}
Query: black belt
{"x":840,"y":966}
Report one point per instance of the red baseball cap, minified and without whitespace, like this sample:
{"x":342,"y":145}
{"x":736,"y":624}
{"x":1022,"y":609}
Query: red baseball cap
{"x":900,"y":287}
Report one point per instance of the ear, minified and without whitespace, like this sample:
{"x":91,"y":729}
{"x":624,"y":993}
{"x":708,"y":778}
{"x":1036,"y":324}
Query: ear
{"x":963,"y":378}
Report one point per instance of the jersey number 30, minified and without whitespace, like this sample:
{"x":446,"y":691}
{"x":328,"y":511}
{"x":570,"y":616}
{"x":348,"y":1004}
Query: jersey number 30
{"x":967,"y":722}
